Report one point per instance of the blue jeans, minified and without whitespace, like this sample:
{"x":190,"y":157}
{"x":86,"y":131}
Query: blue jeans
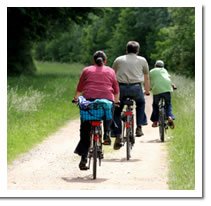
{"x":135,"y":92}
{"x":155,"y":111}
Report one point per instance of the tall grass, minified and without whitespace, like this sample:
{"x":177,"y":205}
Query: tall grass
{"x":38,"y":105}
{"x":181,"y":147}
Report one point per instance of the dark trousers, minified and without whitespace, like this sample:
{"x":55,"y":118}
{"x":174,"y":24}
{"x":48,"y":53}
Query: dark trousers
{"x":85,"y":129}
{"x":135,"y":92}
{"x":155,"y":107}
{"x":84,"y":142}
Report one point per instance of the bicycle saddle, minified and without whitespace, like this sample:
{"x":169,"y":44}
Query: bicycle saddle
{"x":128,"y":101}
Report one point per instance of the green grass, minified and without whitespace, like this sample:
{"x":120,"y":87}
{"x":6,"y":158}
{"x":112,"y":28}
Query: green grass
{"x":181,"y":147}
{"x":38,"y":105}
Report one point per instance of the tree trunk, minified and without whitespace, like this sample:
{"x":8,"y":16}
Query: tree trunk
{"x":19,"y":57}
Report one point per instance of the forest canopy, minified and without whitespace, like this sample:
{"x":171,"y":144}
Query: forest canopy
{"x":73,"y":34}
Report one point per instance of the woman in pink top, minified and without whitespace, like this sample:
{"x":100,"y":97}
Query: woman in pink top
{"x":96,"y":82}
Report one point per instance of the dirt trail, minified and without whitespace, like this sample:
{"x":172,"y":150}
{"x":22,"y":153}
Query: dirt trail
{"x":52,"y":165}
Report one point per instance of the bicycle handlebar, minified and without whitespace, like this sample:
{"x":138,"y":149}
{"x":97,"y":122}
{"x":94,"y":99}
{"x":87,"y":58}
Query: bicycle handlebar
{"x":74,"y":101}
{"x":117,"y":104}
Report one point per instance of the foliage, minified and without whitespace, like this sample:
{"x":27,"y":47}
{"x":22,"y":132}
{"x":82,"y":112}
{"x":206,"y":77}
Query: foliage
{"x":57,"y":34}
{"x":139,"y":24}
{"x":176,"y":44}
{"x":30,"y":24}
{"x":61,"y":49}
{"x":111,"y":31}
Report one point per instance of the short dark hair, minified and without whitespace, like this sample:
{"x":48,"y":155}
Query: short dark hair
{"x":133,"y":47}
{"x":99,"y":57}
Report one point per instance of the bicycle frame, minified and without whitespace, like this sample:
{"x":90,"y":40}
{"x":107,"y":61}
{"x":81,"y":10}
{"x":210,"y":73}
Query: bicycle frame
{"x":163,"y":126}
{"x":95,"y":149}
{"x":128,"y":125}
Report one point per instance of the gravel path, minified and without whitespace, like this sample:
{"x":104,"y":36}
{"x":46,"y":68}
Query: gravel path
{"x":52,"y":165}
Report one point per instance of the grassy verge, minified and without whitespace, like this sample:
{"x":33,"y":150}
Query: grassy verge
{"x":38,"y":105}
{"x":181,"y":147}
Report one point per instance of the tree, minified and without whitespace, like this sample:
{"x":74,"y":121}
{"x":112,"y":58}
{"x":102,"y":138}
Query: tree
{"x":124,"y":31}
{"x":148,"y":23}
{"x":176,"y":44}
{"x":163,"y":33}
{"x":96,"y":36}
{"x":139,"y":24}
{"x":28,"y":25}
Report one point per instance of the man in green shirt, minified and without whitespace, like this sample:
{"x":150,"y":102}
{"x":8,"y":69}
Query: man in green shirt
{"x":161,"y":87}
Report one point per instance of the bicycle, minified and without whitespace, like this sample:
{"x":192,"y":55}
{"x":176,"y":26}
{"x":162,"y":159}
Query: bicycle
{"x":162,"y":118}
{"x":95,"y":150}
{"x":128,"y":126}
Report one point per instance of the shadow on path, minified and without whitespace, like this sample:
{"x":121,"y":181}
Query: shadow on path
{"x":85,"y":179}
{"x":152,"y":141}
{"x":121,"y":160}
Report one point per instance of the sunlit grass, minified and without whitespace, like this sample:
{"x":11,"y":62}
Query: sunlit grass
{"x":38,"y":105}
{"x":181,"y":148}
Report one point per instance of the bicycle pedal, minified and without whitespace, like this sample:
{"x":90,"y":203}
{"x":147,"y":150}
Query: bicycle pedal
{"x":101,"y":156}
{"x":132,"y":140}
{"x":90,"y":155}
{"x":83,"y":168}
{"x":123,"y":119}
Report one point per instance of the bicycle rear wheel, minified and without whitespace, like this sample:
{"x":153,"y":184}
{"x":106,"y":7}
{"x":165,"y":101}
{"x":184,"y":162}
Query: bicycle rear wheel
{"x":128,"y":143}
{"x":162,"y":124}
{"x":132,"y":131}
{"x":95,"y":160}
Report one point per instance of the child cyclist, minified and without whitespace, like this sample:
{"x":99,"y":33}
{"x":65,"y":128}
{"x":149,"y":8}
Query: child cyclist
{"x":161,"y":87}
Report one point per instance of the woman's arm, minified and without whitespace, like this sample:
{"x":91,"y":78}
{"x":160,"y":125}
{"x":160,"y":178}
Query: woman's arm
{"x":116,"y":98}
{"x":80,"y":85}
{"x":77,"y":94}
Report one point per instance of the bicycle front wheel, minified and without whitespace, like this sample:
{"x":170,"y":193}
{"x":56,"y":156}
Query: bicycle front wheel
{"x":162,"y":124}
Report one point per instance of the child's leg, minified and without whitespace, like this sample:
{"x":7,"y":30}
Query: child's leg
{"x":169,"y":111}
{"x":155,"y":108}
{"x":169,"y":114}
{"x":167,"y":96}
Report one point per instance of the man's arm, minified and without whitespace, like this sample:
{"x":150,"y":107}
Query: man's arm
{"x":115,"y":66}
{"x":146,"y":77}
{"x":146,"y":83}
